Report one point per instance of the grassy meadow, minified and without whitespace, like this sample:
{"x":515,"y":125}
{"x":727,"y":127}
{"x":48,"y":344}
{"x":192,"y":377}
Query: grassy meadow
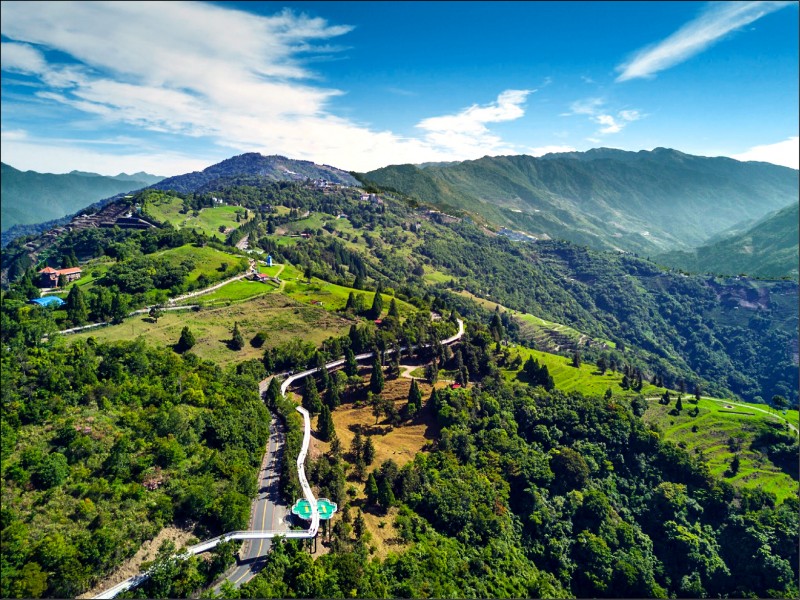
{"x":280,"y":316}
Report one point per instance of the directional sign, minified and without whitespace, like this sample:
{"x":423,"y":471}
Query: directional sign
{"x":326,"y":508}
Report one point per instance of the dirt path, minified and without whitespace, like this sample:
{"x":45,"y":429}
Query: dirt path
{"x":405,"y":371}
{"x":148,"y":551}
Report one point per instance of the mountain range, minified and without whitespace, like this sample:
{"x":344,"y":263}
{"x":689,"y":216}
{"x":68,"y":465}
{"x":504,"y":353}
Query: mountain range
{"x":30,"y":197}
{"x":688,"y":212}
{"x":648,"y":202}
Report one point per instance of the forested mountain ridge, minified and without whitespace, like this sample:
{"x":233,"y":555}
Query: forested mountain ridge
{"x":276,"y":168}
{"x":30,"y":197}
{"x":645,"y":202}
{"x":768,"y":248}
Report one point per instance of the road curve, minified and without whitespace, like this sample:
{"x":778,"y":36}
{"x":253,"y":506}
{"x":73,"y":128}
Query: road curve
{"x":311,"y":532}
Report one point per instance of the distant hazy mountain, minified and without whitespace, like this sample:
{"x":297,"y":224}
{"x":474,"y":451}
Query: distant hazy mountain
{"x":141,"y":176}
{"x":647,"y":202}
{"x":767,"y":249}
{"x":278,"y":168}
{"x":29,"y":197}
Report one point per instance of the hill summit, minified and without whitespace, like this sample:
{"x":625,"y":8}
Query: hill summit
{"x":275,"y":167}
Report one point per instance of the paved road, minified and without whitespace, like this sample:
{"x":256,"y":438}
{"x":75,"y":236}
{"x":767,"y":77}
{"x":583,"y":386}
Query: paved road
{"x":268,"y":513}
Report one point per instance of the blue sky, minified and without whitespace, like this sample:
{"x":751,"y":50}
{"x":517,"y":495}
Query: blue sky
{"x":170,"y":87}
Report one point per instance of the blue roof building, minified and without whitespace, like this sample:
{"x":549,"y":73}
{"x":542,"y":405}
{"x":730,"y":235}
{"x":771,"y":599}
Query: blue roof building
{"x":48,"y":301}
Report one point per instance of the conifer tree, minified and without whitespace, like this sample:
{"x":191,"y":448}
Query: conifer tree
{"x":393,"y":312}
{"x":414,"y":397}
{"x":376,"y":381}
{"x":372,"y":489}
{"x":350,"y":363}
{"x":237,"y":339}
{"x":77,"y":310}
{"x":377,"y":304}
{"x":311,"y":401}
{"x":322,"y":372}
{"x":325,"y":427}
{"x":186,"y":340}
{"x":357,"y":446}
{"x":385,"y":494}
{"x":369,"y":451}
{"x":332,"y":396}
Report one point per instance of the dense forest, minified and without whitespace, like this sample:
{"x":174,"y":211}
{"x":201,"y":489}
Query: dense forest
{"x":544,"y":494}
{"x":526,"y":490}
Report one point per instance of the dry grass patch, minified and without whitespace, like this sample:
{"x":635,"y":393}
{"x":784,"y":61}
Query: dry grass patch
{"x":147,"y":552}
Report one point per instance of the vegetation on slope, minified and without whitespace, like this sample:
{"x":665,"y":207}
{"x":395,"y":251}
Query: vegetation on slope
{"x":767,"y":249}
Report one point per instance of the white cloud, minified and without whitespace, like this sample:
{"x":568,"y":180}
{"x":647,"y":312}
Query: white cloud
{"x":465,"y":132}
{"x":616,"y":124}
{"x":611,"y":124}
{"x":587,"y":106}
{"x":719,"y":19}
{"x":786,"y":153}
{"x":238,"y":79}
{"x":21,"y":58}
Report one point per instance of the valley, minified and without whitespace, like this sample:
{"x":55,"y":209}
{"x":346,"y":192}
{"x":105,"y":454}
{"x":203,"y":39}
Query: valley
{"x":535,"y":443}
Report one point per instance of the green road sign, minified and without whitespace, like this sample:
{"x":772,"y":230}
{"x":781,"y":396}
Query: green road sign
{"x":326,"y":508}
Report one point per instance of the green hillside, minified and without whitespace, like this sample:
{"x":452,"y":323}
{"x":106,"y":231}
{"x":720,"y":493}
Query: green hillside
{"x":30,"y":197}
{"x":643,"y":202}
{"x":767,"y":249}
{"x":564,"y":477}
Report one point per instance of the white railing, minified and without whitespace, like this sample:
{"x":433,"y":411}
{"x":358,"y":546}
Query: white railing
{"x":311,"y":532}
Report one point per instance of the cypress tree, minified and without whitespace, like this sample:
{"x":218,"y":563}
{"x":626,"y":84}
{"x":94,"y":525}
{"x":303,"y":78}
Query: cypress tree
{"x":325,"y":427}
{"x":415,"y":396}
{"x":332,"y":396}
{"x":369,"y":451}
{"x":376,"y":381}
{"x":77,"y":311}
{"x":393,"y":312}
{"x":350,"y":363}
{"x":311,"y":401}
{"x":377,"y":305}
{"x":372,"y":489}
{"x":237,"y":339}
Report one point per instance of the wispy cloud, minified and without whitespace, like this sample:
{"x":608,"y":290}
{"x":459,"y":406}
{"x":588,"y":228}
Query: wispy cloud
{"x":718,"y":20}
{"x":587,"y":106}
{"x":205,"y":71}
{"x":593,"y":108}
{"x":786,"y":153}
{"x":465,"y":132}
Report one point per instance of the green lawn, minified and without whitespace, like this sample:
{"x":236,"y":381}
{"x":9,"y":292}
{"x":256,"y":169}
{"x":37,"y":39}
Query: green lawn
{"x":207,"y":260}
{"x":209,"y":220}
{"x":280,"y":316}
{"x":708,"y":435}
{"x":236,"y":291}
{"x":334,"y":297}
{"x":585,"y":379}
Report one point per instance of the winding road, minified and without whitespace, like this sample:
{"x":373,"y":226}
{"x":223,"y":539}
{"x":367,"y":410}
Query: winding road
{"x":266,"y":508}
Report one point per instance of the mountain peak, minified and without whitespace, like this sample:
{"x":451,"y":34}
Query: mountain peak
{"x":275,"y":167}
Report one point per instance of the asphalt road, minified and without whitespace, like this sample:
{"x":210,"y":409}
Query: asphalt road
{"x":267,"y":513}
